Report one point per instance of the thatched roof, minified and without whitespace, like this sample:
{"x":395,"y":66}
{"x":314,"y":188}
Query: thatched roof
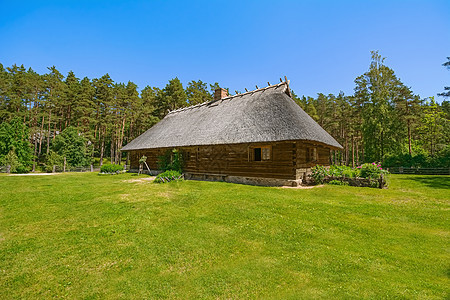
{"x":264,"y":115}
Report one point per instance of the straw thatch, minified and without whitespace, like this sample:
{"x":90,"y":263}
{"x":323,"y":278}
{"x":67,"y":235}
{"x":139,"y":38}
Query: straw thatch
{"x":264,"y":115}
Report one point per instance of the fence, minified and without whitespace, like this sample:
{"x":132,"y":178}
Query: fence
{"x":420,"y":171}
{"x":59,"y":169}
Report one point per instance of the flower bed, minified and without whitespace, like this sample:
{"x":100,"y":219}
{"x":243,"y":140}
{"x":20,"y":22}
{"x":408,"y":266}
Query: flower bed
{"x":366,"y":175}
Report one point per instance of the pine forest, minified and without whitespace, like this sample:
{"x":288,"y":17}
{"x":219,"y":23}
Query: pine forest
{"x":48,"y":118}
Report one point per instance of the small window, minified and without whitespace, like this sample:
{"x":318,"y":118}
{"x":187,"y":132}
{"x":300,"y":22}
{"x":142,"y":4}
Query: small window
{"x":187,"y":156}
{"x":257,"y":154}
{"x":313,"y":154}
{"x":261,"y":154}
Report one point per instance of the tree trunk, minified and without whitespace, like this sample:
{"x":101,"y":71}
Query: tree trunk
{"x":112,"y":148}
{"x":357,"y":153}
{"x":41,"y":134}
{"x":409,"y":137}
{"x":102,"y":148}
{"x":347,"y":160}
{"x":353,"y":151}
{"x":48,"y":137}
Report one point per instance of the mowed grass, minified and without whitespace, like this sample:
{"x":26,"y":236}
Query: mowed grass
{"x":86,"y":236}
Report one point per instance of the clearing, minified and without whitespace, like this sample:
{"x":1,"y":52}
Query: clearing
{"x":81,"y":235}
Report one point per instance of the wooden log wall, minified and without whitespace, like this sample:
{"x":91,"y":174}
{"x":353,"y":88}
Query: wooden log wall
{"x":237,"y":159}
{"x":304,"y":159}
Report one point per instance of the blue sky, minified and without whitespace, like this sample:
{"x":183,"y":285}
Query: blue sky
{"x":321,"y":46}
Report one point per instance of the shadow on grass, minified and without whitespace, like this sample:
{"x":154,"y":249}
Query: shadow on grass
{"x":433,"y":181}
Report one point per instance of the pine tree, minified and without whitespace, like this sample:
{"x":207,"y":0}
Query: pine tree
{"x":432,"y":126}
{"x":197,"y":92}
{"x":71,"y":99}
{"x":53,"y":99}
{"x":104,"y":99}
{"x":175,"y":96}
{"x":446,"y":92}
{"x":376,"y":90}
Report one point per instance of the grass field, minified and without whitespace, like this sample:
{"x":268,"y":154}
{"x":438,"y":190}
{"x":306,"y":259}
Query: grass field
{"x":88,"y":236}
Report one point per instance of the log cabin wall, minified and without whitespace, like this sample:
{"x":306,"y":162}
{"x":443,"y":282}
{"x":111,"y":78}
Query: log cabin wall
{"x":239,"y":159}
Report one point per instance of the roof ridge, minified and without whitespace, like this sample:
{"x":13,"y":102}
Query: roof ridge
{"x":229,"y":97}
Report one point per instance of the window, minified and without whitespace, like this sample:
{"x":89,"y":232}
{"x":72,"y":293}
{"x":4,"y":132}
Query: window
{"x":313,"y":154}
{"x":261,"y":153}
{"x":186,"y":156}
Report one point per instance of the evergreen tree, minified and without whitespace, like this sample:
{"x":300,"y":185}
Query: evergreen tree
{"x":174,"y":94}
{"x":432,"y":126}
{"x":376,"y":90}
{"x":197,"y":92}
{"x":72,"y":146}
{"x":14,"y":137}
{"x":53,"y":98}
{"x":71,"y":99}
{"x":446,"y":92}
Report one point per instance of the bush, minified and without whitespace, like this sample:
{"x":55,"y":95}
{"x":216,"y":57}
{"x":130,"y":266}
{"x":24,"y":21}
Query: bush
{"x":371,"y":170}
{"x":15,"y":136}
{"x":171,"y":160}
{"x":53,"y":159}
{"x":318,"y":173}
{"x":11,"y":162}
{"x":72,"y":146}
{"x":338,"y":182}
{"x":111,"y":169}
{"x":168,"y":176}
{"x":351,"y":173}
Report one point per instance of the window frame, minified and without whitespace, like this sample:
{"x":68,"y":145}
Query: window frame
{"x":251,"y":153}
{"x":313,"y":154}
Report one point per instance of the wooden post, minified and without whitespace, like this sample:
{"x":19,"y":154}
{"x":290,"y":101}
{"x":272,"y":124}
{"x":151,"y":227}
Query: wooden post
{"x":54,"y":169}
{"x":147,"y":167}
{"x":381,"y":181}
{"x":64,"y":169}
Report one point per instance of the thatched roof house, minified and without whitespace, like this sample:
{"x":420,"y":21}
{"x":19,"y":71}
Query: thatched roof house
{"x":228,"y":136}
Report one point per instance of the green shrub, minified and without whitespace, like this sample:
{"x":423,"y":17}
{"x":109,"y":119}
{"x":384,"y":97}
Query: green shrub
{"x":111,"y":169}
{"x":337,"y":171}
{"x":168,"y":176}
{"x":53,"y":159}
{"x":318,"y":173}
{"x":12,"y":163}
{"x":371,"y":170}
{"x":338,"y":182}
{"x":348,"y":173}
{"x":171,"y":160}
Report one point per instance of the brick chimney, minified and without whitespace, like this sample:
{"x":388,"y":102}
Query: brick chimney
{"x":220,"y":93}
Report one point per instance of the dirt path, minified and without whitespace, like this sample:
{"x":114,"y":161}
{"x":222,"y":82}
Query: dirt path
{"x":34,"y":174}
{"x":141,"y":180}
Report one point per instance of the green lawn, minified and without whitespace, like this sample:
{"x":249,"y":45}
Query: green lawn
{"x":88,"y":236}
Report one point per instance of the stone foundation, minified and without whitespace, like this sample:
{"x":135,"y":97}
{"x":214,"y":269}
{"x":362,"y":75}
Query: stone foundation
{"x":243,"y":180}
{"x":259,"y":181}
{"x":145,"y":171}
